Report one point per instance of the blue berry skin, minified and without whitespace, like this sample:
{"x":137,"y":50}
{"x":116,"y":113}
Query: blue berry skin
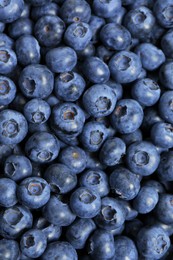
{"x":67,"y":119}
{"x":146,"y":92}
{"x":146,"y":200}
{"x":118,"y":17}
{"x":163,"y":210}
{"x":115,"y":37}
{"x":93,"y":136}
{"x":95,"y":70}
{"x":142,"y":158}
{"x":99,"y":100}
{"x":78,"y":35}
{"x":61,"y":59}
{"x":117,"y":231}
{"x":46,"y":9}
{"x":33,"y":243}
{"x":15,"y":220}
{"x":133,"y":227}
{"x":7,"y":90}
{"x":6,"y":41}
{"x":164,"y":171}
{"x":49,"y":30}
{"x":139,"y":22}
{"x":27,"y":50}
{"x":2,"y":27}
{"x":151,"y":56}
{"x":104,"y":53}
{"x":163,"y":12}
{"x":52,"y":232}
{"x":9,"y":249}
{"x":112,"y":214}
{"x":8,"y":60}
{"x":5,"y":151}
{"x":96,"y":23}
{"x":96,"y":180}
{"x":166,"y":106}
{"x":167,"y":44}
{"x":125,"y":248}
{"x":125,"y":67}
{"x":101,"y":245}
{"x":112,"y":151}
{"x":133,"y":137}
{"x":13,"y":127}
{"x":131,"y":183}
{"x":137,"y":3}
{"x":116,"y":87}
{"x":75,"y":11}
{"x":106,"y":9}
{"x":42,"y":147}
{"x":88,"y":51}
{"x":37,"y":111}
{"x":33,"y":128}
{"x":8,"y":192}
{"x":151,"y":116}
{"x":17,"y":167}
{"x":131,"y":213}
{"x":60,"y":178}
{"x":79,"y":231}
{"x":159,"y":242}
{"x":61,"y":250}
{"x":38,"y":2}
{"x":33,"y":192}
{"x":11,"y":10}
{"x":85,"y":202}
{"x":52,"y":100}
{"x":36,"y":81}
{"x":22,"y":26}
{"x":74,"y":158}
{"x":162,"y":135}
{"x":26,"y":11}
{"x":69,"y":86}
{"x":155,"y":184}
{"x":127,"y":116}
{"x":165,"y":75}
{"x":58,"y":212}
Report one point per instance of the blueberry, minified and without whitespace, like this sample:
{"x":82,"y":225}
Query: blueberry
{"x":118,"y":17}
{"x":36,"y":81}
{"x":6,"y":41}
{"x":15,"y":220}
{"x":46,"y":9}
{"x":164,"y":171}
{"x":8,"y":60}
{"x":106,"y":8}
{"x":125,"y":67}
{"x":2,"y":27}
{"x":167,"y":43}
{"x":116,"y":87}
{"x":132,"y":137}
{"x":88,"y":51}
{"x":151,"y":116}
{"x":166,"y":106}
{"x":85,"y":202}
{"x":117,"y":231}
{"x":7,"y":90}
{"x":11,"y":10}
{"x":96,"y":180}
{"x":137,"y":3}
{"x":155,"y":184}
{"x":38,"y":2}
{"x":69,"y":86}
{"x":42,"y":147}
{"x":164,"y":205}
{"x":26,"y":11}
{"x":33,"y":243}
{"x":133,"y":227}
{"x":104,"y":53}
{"x":8,"y":192}
{"x":127,"y":116}
{"x":52,"y":232}
{"x":9,"y":249}
{"x":33,"y":192}
{"x":162,"y":135}
{"x":130,"y":212}
{"x":142,"y":158}
{"x":163,"y":12}
{"x":165,"y":75}
{"x":22,"y":26}
{"x":96,"y":24}
{"x":17,"y":167}
{"x":61,"y":59}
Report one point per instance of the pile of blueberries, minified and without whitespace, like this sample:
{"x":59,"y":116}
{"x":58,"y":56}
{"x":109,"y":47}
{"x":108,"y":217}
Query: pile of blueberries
{"x":86,"y":129}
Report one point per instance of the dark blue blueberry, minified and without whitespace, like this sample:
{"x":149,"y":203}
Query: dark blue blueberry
{"x":69,"y":86}
{"x":52,"y":232}
{"x":10,"y":10}
{"x":37,"y":111}
{"x":142,"y":158}
{"x":7,"y":90}
{"x":101,"y":245}
{"x":75,"y":11}
{"x":95,"y":70}
{"x":158,"y":245}
{"x":125,"y":248}
{"x":85,"y":202}
{"x":26,"y":11}
{"x":8,"y":192}
{"x":162,"y":135}
{"x":130,"y":212}
{"x":104,"y":53}
{"x":46,"y":9}
{"x":33,"y":192}
{"x":5,"y":151}
{"x":125,"y":67}
{"x":58,"y":212}
{"x":164,"y":171}
{"x":166,"y":106}
{"x":33,"y":128}
{"x":99,"y":100}
{"x":163,"y":10}
{"x":96,"y":24}
{"x":115,"y":37}
{"x":106,"y":8}
{"x":18,"y":102}
{"x":9,"y":249}
{"x":127,"y":116}
{"x":42,"y":147}
{"x":112,"y":151}
{"x":2,"y":27}
{"x":124,"y":183}
{"x":167,"y":43}
{"x":13,"y":127}
{"x":52,"y":100}
{"x":96,"y":180}
{"x":116,"y":87}
{"x":137,"y":3}
{"x":88,"y":51}
{"x":27,"y":50}
{"x":151,"y":56}
{"x":33,"y":243}
{"x":146,"y":200}
{"x":93,"y":162}
{"x":93,"y":136}
{"x":8,"y":60}
{"x":61,"y":59}
{"x":22,"y":26}
{"x":17,"y":167}
{"x":164,"y":209}
{"x":79,"y":231}
{"x":118,"y":17}
{"x":117,"y":231}
{"x":49,"y":30}
{"x":146,"y":92}
{"x":105,"y":120}
{"x":38,"y":2}
{"x":15,"y":220}
{"x":133,"y":227}
{"x":74,"y":158}
{"x":6,"y":41}
{"x":155,"y":184}
{"x":78,"y":35}
{"x":61,"y":250}
{"x":151,"y":116}
{"x":36,"y":81}
{"x":133,"y":137}
{"x":165,"y":74}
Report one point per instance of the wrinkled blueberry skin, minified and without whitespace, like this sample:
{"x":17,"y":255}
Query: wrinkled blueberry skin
{"x":22,"y":26}
{"x":9,"y":249}
{"x":11,"y":11}
{"x":106,"y":9}
{"x":8,"y":192}
{"x":162,"y":11}
{"x":46,"y":9}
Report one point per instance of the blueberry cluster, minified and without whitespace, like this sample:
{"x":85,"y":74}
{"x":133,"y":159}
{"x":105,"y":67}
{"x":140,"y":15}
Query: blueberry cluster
{"x":86,"y":129}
